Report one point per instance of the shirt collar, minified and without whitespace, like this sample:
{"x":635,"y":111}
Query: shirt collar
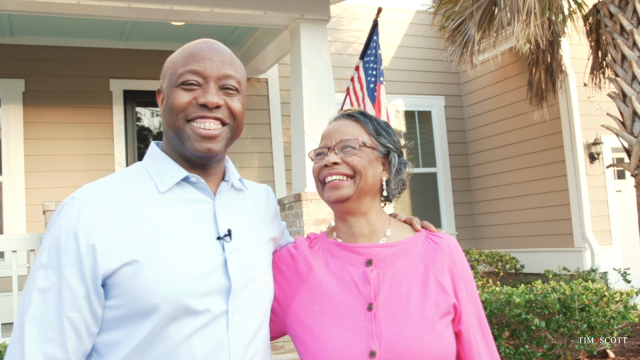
{"x":165,"y":172}
{"x":232,"y":175}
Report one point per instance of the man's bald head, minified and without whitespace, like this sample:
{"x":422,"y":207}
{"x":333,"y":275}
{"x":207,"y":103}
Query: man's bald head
{"x":201,"y":97}
{"x":199,"y":47}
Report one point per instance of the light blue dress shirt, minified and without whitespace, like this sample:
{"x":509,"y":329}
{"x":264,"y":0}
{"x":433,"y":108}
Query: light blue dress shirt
{"x":130,"y":268}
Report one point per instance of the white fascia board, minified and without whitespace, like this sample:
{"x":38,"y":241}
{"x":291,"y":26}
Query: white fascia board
{"x":91,"y":43}
{"x":270,"y":56}
{"x":148,"y":12}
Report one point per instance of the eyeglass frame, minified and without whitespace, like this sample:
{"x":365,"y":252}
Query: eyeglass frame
{"x":329,"y":148}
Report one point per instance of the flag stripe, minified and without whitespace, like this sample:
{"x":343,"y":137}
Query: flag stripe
{"x":366,"y":88}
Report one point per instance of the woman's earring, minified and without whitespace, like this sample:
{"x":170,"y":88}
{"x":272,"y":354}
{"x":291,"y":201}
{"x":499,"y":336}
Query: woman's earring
{"x":384,"y":186}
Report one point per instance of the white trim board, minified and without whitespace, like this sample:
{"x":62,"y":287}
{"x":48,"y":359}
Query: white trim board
{"x":539,"y":260}
{"x":13,"y":179}
{"x":277,"y":142}
{"x":117,"y":88}
{"x":575,"y":160}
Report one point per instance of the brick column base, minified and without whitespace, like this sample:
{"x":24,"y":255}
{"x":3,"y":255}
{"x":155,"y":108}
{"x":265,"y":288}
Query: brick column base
{"x":304,"y":213}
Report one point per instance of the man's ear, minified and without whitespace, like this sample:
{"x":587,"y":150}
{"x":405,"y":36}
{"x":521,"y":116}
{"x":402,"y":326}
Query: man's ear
{"x":160,"y":97}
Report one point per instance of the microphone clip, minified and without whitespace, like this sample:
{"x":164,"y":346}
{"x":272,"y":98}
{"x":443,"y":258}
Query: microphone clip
{"x":226,"y":237}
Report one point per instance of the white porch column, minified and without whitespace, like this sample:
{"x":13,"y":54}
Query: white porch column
{"x":312,"y":96}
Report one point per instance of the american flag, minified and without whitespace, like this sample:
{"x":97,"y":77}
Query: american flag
{"x":366,"y":88}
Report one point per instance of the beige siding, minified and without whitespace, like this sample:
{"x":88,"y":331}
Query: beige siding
{"x":69,"y":121}
{"x":594,"y":106}
{"x":517,"y":166}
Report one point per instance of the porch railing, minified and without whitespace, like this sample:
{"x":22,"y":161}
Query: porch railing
{"x":19,"y":255}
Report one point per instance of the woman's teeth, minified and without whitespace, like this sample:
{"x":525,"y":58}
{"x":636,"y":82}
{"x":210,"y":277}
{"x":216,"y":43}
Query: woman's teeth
{"x":333,"y":178}
{"x":206,"y":125}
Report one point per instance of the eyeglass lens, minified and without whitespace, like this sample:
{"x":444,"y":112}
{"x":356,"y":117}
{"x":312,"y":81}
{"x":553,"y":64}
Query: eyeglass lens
{"x":343,"y":149}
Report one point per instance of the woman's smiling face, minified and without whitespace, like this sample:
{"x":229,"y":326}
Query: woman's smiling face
{"x":357,"y":177}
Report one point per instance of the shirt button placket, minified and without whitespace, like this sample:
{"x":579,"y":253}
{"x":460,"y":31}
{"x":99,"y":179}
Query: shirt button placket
{"x":370,"y":307}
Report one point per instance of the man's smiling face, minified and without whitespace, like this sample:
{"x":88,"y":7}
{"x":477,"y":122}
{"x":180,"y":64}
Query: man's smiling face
{"x":201,"y":98}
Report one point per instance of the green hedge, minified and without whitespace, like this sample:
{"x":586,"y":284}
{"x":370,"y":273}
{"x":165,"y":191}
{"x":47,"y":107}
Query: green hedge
{"x":544,"y":319}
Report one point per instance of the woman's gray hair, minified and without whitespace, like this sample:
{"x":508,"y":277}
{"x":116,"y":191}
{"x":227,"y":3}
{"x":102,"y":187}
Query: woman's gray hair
{"x":389,"y":148}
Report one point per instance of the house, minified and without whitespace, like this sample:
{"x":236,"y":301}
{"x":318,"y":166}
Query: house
{"x":77,"y":81}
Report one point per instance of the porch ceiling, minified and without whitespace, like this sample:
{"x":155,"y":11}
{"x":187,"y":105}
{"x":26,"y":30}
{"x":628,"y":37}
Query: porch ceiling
{"x":246,"y":41}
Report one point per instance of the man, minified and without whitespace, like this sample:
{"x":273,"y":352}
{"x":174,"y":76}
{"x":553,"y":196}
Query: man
{"x":130,"y":267}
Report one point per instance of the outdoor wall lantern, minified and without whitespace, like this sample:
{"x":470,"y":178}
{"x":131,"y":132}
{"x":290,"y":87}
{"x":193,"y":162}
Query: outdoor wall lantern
{"x":596,"y":149}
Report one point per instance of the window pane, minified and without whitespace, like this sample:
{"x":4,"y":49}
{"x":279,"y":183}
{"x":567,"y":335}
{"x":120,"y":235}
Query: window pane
{"x":427,"y":145}
{"x":425,"y":203}
{"x":619,"y":174}
{"x":411,"y":138}
{"x":419,"y":134}
{"x":148,"y":128}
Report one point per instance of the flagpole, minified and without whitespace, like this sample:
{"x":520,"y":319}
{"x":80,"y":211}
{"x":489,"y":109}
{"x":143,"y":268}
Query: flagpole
{"x":375,"y":20}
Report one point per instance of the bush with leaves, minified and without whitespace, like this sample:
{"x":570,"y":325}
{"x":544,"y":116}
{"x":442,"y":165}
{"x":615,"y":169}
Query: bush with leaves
{"x":491,"y":266}
{"x":3,"y":350}
{"x":545,"y":319}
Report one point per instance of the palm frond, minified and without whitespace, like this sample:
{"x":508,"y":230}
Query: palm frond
{"x":599,"y":42}
{"x":536,"y":27}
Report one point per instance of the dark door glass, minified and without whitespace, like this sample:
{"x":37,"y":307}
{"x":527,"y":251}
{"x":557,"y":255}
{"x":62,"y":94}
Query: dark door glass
{"x":143,"y":123}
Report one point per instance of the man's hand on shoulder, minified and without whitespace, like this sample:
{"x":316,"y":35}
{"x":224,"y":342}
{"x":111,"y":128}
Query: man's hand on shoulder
{"x":415,"y":223}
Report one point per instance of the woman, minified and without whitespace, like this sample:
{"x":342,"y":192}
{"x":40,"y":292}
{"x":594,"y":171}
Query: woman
{"x":370,"y":287}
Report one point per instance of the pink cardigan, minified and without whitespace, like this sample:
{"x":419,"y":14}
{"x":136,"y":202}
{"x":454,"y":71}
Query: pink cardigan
{"x":411,"y":299}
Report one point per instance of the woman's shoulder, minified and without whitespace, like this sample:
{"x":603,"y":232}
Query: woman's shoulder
{"x":442,"y":247}
{"x":439,"y":240}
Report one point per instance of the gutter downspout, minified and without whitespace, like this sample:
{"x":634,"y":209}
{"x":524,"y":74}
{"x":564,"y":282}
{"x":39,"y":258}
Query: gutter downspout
{"x":575,"y":162}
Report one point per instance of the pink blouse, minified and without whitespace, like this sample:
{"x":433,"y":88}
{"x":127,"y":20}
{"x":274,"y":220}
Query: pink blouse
{"x":411,"y":299}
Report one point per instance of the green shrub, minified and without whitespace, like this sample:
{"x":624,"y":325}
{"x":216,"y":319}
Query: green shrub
{"x":545,"y":319}
{"x":491,"y":266}
{"x":3,"y":350}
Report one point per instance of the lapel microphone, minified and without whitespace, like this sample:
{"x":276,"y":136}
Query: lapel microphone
{"x":226,"y":237}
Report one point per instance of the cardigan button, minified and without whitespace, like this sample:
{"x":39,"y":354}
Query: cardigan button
{"x":369,"y":263}
{"x":372,"y":354}
{"x":370,"y":307}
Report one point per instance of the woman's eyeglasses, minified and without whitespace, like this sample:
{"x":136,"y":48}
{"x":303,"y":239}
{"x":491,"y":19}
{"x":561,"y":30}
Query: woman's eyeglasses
{"x":343,"y":149}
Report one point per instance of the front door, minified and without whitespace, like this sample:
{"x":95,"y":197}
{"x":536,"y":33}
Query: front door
{"x":625,"y":212}
{"x":142,"y":123}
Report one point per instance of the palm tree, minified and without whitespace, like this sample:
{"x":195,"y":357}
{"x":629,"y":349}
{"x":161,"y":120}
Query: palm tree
{"x":611,"y":27}
{"x":537,"y":27}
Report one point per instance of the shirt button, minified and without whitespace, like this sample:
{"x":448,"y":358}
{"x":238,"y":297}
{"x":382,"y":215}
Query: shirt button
{"x":233,"y":311}
{"x":372,"y":354}
{"x":369,"y":263}
{"x":193,"y":179}
{"x":370,"y":307}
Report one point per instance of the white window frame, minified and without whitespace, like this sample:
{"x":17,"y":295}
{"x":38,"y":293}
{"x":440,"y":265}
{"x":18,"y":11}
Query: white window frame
{"x":117,"y":88}
{"x":434,"y":104}
{"x":14,"y":210}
